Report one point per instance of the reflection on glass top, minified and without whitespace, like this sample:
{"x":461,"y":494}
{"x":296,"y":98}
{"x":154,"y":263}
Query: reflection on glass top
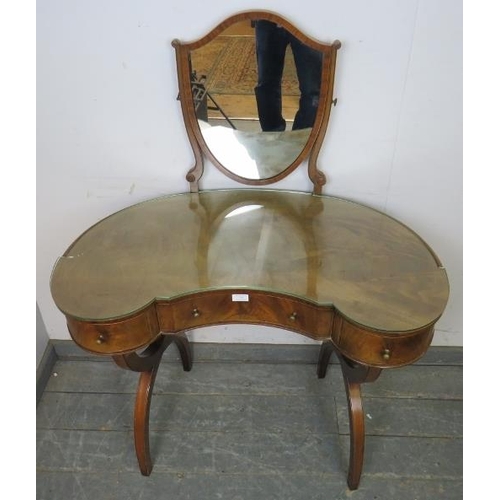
{"x":374,"y":270}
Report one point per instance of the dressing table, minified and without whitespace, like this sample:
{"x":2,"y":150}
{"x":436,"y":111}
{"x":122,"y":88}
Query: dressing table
{"x":365,"y":285}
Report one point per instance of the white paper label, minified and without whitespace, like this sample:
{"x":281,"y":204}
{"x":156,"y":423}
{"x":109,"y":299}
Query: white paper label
{"x":240,"y":297}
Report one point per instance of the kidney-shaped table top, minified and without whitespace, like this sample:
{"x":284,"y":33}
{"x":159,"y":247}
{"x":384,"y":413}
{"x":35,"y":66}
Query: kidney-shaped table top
{"x":374,"y":270}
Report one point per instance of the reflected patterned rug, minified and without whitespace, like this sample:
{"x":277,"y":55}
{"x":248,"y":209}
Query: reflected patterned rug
{"x":229,"y":64}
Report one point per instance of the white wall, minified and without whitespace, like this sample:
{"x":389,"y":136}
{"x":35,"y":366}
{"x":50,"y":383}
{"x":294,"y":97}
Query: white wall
{"x":110,"y":131}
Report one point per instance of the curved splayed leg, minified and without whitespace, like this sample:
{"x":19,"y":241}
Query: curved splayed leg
{"x":325,"y":354}
{"x":354,"y":375}
{"x":185,"y":351}
{"x":141,"y":420}
{"x":356,"y":431}
{"x":147,"y":363}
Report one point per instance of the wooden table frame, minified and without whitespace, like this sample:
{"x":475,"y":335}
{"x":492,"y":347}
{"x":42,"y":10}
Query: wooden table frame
{"x":372,"y":322}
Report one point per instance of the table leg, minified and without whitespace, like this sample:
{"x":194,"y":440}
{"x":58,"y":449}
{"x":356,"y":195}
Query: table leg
{"x":354,"y":375}
{"x":147,"y":363}
{"x":141,"y":420}
{"x":325,"y":354}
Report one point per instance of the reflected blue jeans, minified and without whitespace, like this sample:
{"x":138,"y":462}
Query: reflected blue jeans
{"x":271,"y":42}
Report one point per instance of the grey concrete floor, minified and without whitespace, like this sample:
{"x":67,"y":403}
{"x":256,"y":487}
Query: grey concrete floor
{"x":249,"y":422}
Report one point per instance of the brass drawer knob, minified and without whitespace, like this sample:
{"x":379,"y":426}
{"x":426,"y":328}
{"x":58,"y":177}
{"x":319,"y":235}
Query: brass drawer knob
{"x":100,"y":340}
{"x":386,"y":354}
{"x":293,"y":316}
{"x":196,"y":313}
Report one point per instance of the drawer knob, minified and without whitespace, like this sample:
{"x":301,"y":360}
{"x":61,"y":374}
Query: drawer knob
{"x":100,"y":340}
{"x":386,"y":354}
{"x":293,"y":316}
{"x":196,"y":313}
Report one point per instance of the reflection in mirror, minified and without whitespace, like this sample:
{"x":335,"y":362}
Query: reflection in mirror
{"x":256,"y":77}
{"x":256,"y":95}
{"x":271,"y":43}
{"x":254,"y":155}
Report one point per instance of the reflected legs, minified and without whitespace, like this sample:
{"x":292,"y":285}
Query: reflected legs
{"x":271,"y":42}
{"x":354,"y":375}
{"x":270,"y":46}
{"x":147,"y":363}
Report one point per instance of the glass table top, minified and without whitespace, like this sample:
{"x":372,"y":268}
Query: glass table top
{"x":374,"y":270}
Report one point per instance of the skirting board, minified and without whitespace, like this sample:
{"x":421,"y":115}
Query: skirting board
{"x":45,"y":368}
{"x":204,"y":352}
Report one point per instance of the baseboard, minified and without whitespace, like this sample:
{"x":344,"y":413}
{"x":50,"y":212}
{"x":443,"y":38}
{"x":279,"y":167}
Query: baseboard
{"x":205,"y":352}
{"x":45,"y":369}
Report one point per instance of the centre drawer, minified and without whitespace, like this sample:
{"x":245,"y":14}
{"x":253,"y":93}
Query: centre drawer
{"x":245,"y":306}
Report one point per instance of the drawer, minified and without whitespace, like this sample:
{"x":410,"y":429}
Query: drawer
{"x":115,"y":337}
{"x":380,"y":349}
{"x":245,"y":306}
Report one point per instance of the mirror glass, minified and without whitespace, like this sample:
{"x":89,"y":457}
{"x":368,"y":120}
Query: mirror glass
{"x":256,"y":89}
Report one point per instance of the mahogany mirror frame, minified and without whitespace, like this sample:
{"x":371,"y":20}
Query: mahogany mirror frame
{"x":315,"y":140}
